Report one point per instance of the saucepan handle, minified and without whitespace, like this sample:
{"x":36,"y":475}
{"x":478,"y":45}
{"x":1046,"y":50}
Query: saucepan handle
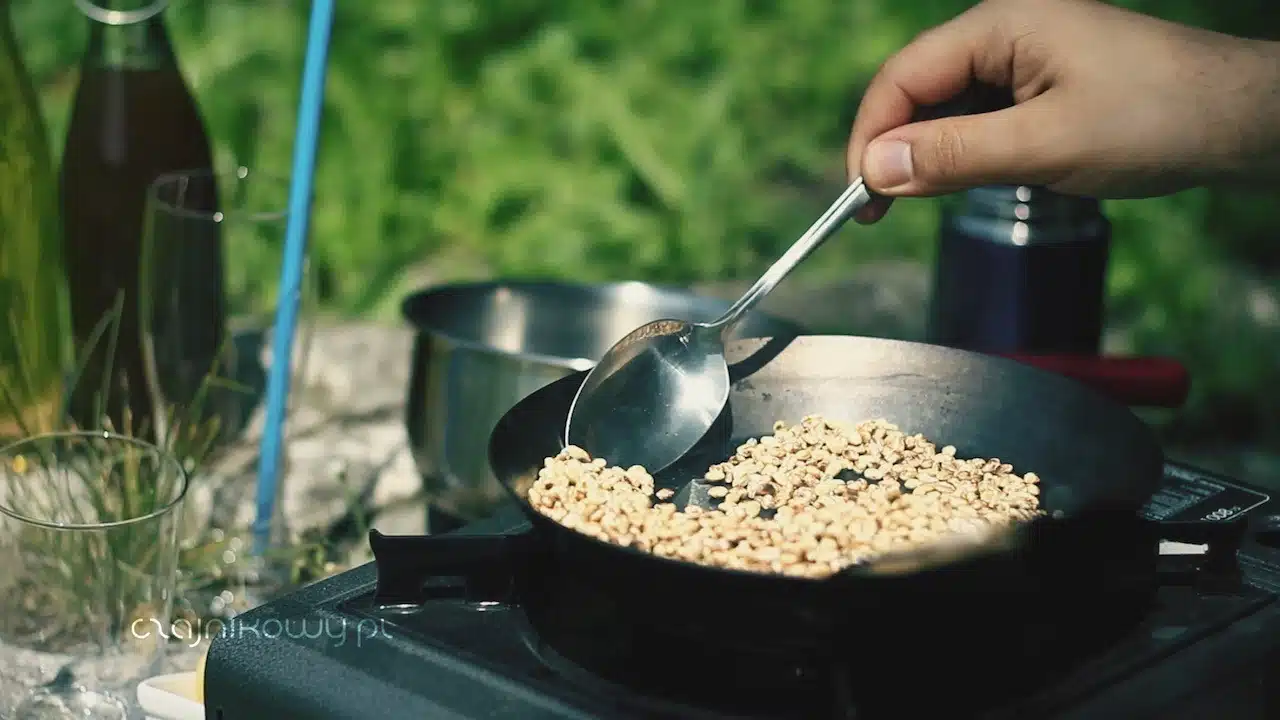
{"x":1153,"y":382}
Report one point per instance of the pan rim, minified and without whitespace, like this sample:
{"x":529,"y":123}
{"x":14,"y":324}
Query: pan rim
{"x":869,"y":570}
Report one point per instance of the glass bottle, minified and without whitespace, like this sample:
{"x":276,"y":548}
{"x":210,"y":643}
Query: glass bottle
{"x":133,"y":119}
{"x":1021,"y":269}
{"x":32,"y":298}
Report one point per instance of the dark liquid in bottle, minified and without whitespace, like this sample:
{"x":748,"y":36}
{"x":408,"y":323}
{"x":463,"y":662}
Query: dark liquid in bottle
{"x":128,"y":126}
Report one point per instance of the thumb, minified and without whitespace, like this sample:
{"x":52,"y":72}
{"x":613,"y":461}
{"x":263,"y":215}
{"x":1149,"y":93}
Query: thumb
{"x":952,"y":154}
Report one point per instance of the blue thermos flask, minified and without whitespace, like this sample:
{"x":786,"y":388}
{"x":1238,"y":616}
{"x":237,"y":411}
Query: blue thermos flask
{"x":1020,"y":270}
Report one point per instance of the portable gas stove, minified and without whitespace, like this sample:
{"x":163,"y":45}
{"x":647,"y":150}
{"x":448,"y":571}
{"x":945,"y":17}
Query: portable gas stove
{"x":470,"y":649}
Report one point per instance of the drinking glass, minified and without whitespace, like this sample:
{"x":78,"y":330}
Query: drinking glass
{"x":245,"y":213}
{"x":89,"y":547}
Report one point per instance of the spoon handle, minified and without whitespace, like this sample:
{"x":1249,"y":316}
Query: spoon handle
{"x":850,"y":202}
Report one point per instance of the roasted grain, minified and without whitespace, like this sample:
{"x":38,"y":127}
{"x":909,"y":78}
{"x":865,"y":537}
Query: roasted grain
{"x":807,"y":500}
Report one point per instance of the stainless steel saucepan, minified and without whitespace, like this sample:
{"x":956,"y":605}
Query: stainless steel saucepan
{"x":481,"y":348}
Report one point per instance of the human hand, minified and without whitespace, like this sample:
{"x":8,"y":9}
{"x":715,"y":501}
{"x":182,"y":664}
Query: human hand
{"x":1109,"y":103}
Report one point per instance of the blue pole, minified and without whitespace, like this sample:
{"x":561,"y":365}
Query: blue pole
{"x":300,"y":184}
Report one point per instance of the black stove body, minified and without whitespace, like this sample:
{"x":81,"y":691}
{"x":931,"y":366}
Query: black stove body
{"x":496,"y":639}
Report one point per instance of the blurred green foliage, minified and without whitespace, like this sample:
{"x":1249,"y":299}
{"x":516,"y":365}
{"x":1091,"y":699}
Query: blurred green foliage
{"x":651,"y":139}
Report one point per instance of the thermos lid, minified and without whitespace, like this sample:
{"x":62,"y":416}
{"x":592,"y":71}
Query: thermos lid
{"x":1027,"y":215}
{"x":1029,"y":203}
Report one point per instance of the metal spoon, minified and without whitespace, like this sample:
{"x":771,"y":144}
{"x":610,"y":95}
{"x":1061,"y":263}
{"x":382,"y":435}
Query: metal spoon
{"x":656,"y":392}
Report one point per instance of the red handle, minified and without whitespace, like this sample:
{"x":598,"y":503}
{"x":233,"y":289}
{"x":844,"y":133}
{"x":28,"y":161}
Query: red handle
{"x":1138,"y":382}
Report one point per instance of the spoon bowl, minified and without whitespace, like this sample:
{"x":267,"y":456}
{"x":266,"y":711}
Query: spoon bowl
{"x":653,"y":395}
{"x":658,"y":390}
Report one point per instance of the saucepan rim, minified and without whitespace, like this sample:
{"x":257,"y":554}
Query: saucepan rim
{"x":603,"y":289}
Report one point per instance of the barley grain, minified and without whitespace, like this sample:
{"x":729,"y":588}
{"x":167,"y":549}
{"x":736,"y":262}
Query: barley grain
{"x":806,"y":501}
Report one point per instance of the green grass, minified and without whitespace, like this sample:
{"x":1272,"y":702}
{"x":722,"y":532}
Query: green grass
{"x":648,"y":139}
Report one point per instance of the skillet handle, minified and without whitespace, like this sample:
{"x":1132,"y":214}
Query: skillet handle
{"x":413,"y":569}
{"x":1152,"y":382}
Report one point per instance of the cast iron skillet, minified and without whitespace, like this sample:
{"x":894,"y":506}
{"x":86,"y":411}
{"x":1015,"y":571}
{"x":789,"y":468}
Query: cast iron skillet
{"x":1098,"y":464}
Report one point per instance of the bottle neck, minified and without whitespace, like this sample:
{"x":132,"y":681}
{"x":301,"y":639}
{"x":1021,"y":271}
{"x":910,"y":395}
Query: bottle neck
{"x":121,"y":12}
{"x":127,"y":34}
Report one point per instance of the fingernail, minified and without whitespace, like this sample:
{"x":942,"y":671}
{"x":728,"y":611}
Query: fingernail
{"x":888,"y":164}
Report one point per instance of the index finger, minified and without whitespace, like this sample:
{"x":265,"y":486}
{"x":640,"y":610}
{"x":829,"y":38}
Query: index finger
{"x":935,"y":67}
